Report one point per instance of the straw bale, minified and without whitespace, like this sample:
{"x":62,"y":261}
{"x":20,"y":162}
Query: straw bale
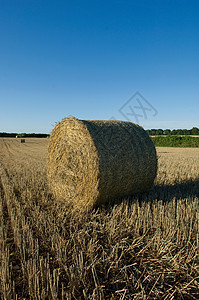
{"x":91,"y":162}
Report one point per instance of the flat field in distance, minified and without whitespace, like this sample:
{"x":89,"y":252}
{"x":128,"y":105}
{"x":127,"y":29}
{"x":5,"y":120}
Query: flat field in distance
{"x":144,"y":247}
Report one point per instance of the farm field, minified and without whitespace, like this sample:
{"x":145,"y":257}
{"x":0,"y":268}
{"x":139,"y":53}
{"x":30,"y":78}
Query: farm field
{"x":144,"y":247}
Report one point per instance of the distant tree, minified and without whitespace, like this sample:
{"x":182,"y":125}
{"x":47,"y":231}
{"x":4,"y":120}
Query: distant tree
{"x":22,"y":135}
{"x":159,"y":132}
{"x":186,"y":132}
{"x":179,"y":132}
{"x":194,"y":131}
{"x":153,"y":131}
{"x":174,"y":132}
{"x":148,"y":131}
{"x":167,"y":131}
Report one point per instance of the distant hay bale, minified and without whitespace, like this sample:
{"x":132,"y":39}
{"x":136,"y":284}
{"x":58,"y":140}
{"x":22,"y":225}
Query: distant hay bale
{"x":90,"y":162}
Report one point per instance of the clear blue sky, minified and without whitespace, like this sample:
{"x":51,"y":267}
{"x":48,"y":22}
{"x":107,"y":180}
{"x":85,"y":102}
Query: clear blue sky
{"x":88,"y":58}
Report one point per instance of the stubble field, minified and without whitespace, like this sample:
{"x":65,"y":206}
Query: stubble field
{"x":144,"y":247}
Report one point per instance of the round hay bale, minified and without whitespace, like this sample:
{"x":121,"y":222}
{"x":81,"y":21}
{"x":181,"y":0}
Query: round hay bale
{"x":90,"y":162}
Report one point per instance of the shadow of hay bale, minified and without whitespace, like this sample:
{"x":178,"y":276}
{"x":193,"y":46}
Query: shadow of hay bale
{"x":185,"y":189}
{"x":165,"y":192}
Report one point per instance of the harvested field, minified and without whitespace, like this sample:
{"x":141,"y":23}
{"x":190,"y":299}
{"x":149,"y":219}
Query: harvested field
{"x":145,"y":247}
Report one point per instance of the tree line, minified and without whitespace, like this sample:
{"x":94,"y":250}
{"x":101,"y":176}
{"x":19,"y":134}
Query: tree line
{"x":193,"y":131}
{"x":23,"y":135}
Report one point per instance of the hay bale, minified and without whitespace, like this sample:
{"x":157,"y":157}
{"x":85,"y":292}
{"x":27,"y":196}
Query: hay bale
{"x":90,"y":162}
